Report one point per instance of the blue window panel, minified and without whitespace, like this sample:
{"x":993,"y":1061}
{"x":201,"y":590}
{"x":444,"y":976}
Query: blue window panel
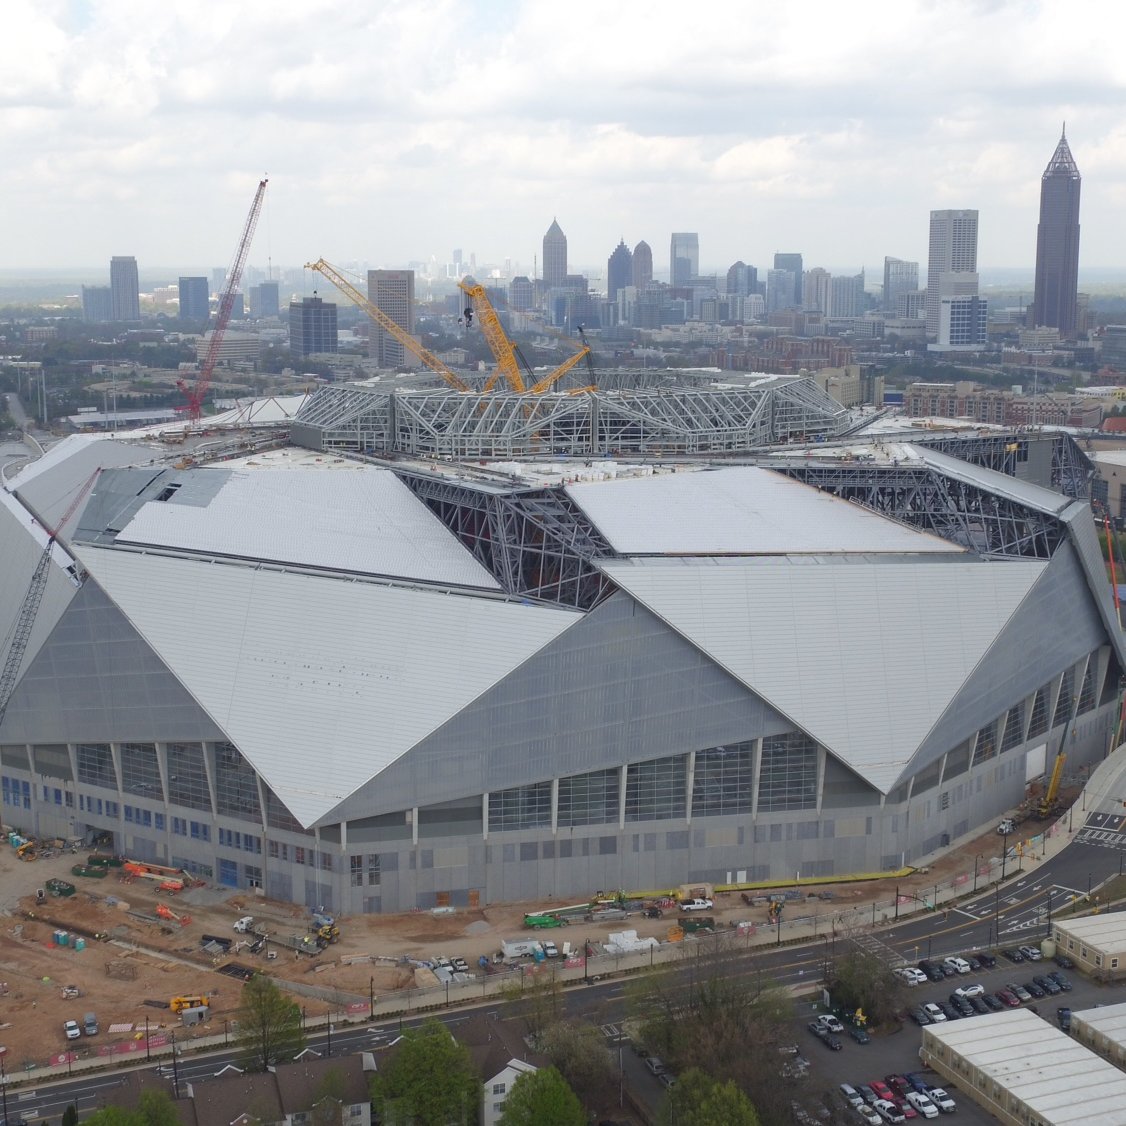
{"x":228,"y":873}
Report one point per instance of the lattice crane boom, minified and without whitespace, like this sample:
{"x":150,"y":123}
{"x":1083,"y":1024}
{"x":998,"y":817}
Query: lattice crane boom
{"x":553,"y":377}
{"x":197,"y":391}
{"x":25,"y":619}
{"x":503,"y":350}
{"x":387,"y":324}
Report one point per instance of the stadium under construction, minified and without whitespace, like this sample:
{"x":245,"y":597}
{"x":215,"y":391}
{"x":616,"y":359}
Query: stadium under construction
{"x":422,"y":647}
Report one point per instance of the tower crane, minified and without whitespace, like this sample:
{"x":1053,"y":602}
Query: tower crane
{"x":387,"y":324}
{"x":195,"y":393}
{"x":25,"y":619}
{"x":507,"y":355}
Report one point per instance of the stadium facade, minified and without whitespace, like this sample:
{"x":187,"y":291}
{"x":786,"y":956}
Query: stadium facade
{"x":381,"y":686}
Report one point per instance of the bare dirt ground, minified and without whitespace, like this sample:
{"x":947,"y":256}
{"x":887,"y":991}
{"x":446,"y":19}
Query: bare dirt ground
{"x":167,"y":960}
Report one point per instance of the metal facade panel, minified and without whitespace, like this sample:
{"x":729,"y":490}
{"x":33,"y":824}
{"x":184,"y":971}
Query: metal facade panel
{"x":741,"y":511}
{"x":366,"y":522}
{"x":863,"y":656}
{"x":1012,"y":488}
{"x":619,"y":686}
{"x":320,"y":682}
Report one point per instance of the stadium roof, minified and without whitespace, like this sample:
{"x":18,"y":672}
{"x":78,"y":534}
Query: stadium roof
{"x":321,"y":683}
{"x":739,"y":511}
{"x":861,"y":653}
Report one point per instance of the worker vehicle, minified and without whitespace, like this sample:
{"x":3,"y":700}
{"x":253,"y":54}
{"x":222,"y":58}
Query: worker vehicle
{"x":696,"y":905}
{"x":244,"y":925}
{"x":71,"y":1029}
{"x":543,"y":922}
{"x":178,"y":1004}
{"x":26,"y":851}
{"x":327,"y":934}
{"x":90,"y":1024}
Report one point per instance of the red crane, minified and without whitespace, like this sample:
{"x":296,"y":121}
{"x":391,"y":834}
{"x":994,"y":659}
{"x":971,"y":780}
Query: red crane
{"x":196,"y":392}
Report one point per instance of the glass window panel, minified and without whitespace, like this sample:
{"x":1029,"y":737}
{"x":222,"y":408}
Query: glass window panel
{"x":236,"y":784}
{"x":1065,"y":699}
{"x":788,"y":774}
{"x":279,"y":817}
{"x":95,"y":765}
{"x":1087,"y":693}
{"x":1014,"y":728}
{"x":589,"y":799}
{"x":656,"y":790}
{"x":187,"y":776}
{"x":523,"y":807}
{"x":52,"y":760}
{"x":140,"y":773}
{"x":986,"y":746}
{"x":1038,"y":723}
{"x":722,"y":782}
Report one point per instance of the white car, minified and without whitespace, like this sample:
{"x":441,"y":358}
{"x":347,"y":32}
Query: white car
{"x":958,"y":965}
{"x":70,"y":1027}
{"x":869,"y":1116}
{"x":889,"y":1112}
{"x":934,"y":1012}
{"x":975,"y":990}
{"x":696,"y":905}
{"x":942,"y":1100}
{"x":923,"y":1104}
{"x":830,"y":1022}
{"x":911,"y":975}
{"x":550,"y":950}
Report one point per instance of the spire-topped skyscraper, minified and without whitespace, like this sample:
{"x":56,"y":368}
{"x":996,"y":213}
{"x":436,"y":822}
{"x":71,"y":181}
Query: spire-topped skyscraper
{"x":1057,"y":244}
{"x":554,"y":256}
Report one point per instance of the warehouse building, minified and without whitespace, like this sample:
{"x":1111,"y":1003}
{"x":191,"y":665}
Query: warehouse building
{"x":1097,"y":943}
{"x":1026,"y":1072}
{"x":385,"y":686}
{"x":1103,"y":1030}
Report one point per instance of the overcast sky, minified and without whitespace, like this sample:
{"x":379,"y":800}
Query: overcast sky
{"x":398,"y":131}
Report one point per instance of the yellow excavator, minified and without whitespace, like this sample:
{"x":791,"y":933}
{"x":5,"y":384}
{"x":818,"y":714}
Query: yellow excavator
{"x":26,"y":851}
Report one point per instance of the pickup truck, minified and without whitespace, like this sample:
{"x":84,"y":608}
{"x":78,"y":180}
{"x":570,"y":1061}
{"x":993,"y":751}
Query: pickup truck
{"x":696,"y":905}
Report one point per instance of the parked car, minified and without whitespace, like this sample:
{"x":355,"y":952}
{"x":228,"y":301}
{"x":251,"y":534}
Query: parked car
{"x":1019,"y":990}
{"x":830,"y":1022}
{"x":1032,"y":953}
{"x":1063,"y":1015}
{"x":1064,"y":962}
{"x":696,"y":905}
{"x":987,"y":960}
{"x":851,"y":1095}
{"x":979,"y":1005}
{"x":860,"y":1035}
{"x":920,"y":1016}
{"x":667,"y":1079}
{"x":1013,"y":955}
{"x":911,"y":976}
{"x":975,"y":990}
{"x":932,"y":970}
{"x":71,"y":1029}
{"x":1060,"y":980}
{"x":923,"y":1104}
{"x":992,"y":1002}
{"x":655,"y":1065}
{"x":1008,"y":998}
{"x":905,"y":1108}
{"x":883,"y":1091}
{"x":867,"y":1094}
{"x":898,"y":1084}
{"x":888,"y":1111}
{"x":942,"y":1100}
{"x":1035,"y":989}
{"x":951,"y":1012}
{"x":1048,"y":985}
{"x":934,"y":1014}
{"x":961,"y":1005}
{"x":958,"y":965}
{"x":869,"y":1115}
{"x":917,"y":1082}
{"x":831,"y":1042}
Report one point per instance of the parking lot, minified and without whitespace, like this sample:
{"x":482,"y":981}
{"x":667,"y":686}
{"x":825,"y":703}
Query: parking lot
{"x":898,"y":1052}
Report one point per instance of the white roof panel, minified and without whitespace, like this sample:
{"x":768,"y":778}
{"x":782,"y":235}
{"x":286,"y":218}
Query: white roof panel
{"x":320,"y":682}
{"x":743,"y":510}
{"x":862,"y":654}
{"x":366,"y":522}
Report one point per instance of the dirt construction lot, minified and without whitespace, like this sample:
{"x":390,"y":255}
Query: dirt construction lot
{"x":149,"y":961}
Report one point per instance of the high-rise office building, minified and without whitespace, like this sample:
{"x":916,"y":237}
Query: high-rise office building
{"x":97,"y":303}
{"x":312,"y":326}
{"x":1055,"y":302}
{"x":900,"y":277}
{"x":264,"y":299}
{"x":393,"y":292}
{"x":846,"y":295}
{"x":742,"y":279}
{"x":962,"y":323}
{"x":815,"y":290}
{"x":619,"y":270}
{"x":195,"y":300}
{"x":953,"y":251}
{"x":642,"y":265}
{"x":521,"y":294}
{"x":125,"y":288}
{"x":554,"y":256}
{"x":684,"y":257}
{"x":793,"y":263}
{"x":780,"y":288}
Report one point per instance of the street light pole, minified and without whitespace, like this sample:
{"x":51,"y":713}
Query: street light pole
{"x":1004,"y":855}
{"x":148,"y":1047}
{"x":897,"y":902}
{"x":977,"y":867}
{"x":1049,"y":933}
{"x":175,"y":1068}
{"x":371,"y":998}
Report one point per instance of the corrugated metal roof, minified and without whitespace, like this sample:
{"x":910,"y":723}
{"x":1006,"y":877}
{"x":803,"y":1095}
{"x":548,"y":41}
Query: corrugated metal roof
{"x":743,"y":510}
{"x":1059,"y":1080}
{"x":1107,"y":932}
{"x":320,"y":682}
{"x":366,"y":522}
{"x":863,"y":654}
{"x":1107,"y":1020}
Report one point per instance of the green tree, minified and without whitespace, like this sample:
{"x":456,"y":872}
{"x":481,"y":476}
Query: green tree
{"x":699,"y":1100}
{"x":70,"y":1116}
{"x":430,"y":1082}
{"x":114,"y":1116}
{"x":158,"y":1109}
{"x":579,"y":1052}
{"x":537,"y":998}
{"x":862,"y":981}
{"x":269,"y":1025}
{"x":542,"y":1098}
{"x":328,"y":1103}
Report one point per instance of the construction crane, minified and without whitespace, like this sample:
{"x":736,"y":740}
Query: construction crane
{"x":387,"y":324}
{"x":197,"y":391}
{"x":1050,"y":800}
{"x":25,"y":619}
{"x":507,"y":355}
{"x":553,"y":377}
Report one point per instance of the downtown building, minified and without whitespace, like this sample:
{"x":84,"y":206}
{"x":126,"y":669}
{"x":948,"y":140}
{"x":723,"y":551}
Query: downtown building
{"x":1055,"y":300}
{"x":392,"y":292}
{"x":125,"y":290}
{"x":377,"y":689}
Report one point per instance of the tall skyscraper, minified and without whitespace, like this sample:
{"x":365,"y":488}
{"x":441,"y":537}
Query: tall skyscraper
{"x":312,"y":326}
{"x":393,"y":292}
{"x":793,"y":263}
{"x":554,"y":256}
{"x":815,"y":290}
{"x":742,"y":279}
{"x":521,"y":294}
{"x":900,"y":277}
{"x":780,"y":288}
{"x":953,"y":251}
{"x":619,"y":270}
{"x":684,"y":257}
{"x":642,"y":265}
{"x":97,"y":304}
{"x":264,"y":299}
{"x":125,"y":289}
{"x":195,"y":300}
{"x":1055,"y":303}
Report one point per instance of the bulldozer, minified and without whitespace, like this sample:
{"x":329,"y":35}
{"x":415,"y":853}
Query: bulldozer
{"x":327,"y":933}
{"x":27,"y":851}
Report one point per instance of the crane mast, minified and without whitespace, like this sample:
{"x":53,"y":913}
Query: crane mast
{"x":503,"y":350}
{"x":387,"y":324}
{"x":196,"y":392}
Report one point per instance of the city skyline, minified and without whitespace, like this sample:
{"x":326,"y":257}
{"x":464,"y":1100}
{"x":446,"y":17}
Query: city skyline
{"x":143,"y":131}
